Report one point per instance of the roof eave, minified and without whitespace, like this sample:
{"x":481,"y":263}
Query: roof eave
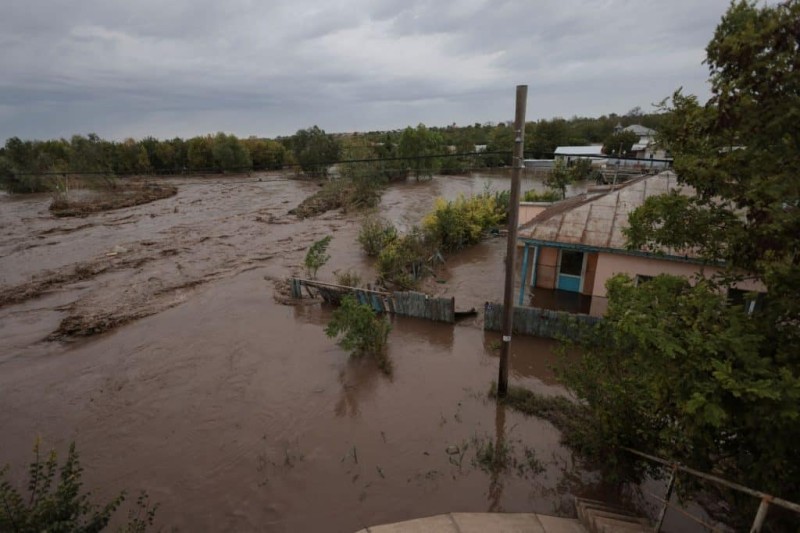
{"x":617,"y":251}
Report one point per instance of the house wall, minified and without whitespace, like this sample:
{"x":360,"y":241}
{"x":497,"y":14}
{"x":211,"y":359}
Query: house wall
{"x":546,"y":268}
{"x":528,"y":210}
{"x":610,"y":264}
{"x":590,"y":273}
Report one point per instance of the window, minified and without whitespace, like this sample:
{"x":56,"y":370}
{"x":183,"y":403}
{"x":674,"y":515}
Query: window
{"x":571,"y":263}
{"x":751,"y":301}
{"x":640,"y":278}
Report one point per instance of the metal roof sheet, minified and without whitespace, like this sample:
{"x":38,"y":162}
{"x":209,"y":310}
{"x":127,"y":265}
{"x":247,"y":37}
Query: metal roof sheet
{"x":597,"y":219}
{"x":580,"y":150}
{"x":640,"y":130}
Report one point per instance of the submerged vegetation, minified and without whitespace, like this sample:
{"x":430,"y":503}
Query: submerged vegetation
{"x":123,"y":195}
{"x":317,"y":256}
{"x":545,"y":196}
{"x":376,"y":234}
{"x":55,"y":500}
{"x":363,"y":332}
{"x":404,"y":259}
{"x":456,"y":224}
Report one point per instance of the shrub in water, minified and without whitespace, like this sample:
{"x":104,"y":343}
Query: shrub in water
{"x":546,"y":196}
{"x":363,"y":332}
{"x":403,"y":261}
{"x":375,"y":235}
{"x":461,"y":222}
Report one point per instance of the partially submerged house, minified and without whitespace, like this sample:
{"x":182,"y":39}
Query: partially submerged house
{"x":572,"y":247}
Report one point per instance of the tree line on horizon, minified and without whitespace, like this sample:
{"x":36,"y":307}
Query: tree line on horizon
{"x":24,"y":164}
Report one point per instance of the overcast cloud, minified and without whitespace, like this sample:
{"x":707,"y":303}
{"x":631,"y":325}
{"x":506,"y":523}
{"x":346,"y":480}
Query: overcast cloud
{"x":268,"y":68}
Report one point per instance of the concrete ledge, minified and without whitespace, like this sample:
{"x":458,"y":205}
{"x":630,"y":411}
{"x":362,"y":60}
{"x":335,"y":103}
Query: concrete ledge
{"x":482,"y":523}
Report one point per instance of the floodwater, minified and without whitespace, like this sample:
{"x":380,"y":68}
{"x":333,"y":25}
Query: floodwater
{"x":151,"y":338}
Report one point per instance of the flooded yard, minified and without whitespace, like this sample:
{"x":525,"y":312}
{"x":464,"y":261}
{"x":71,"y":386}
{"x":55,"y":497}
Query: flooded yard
{"x":150,"y":336}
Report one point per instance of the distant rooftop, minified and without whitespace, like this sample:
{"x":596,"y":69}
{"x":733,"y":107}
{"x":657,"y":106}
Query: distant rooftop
{"x":640,"y":130}
{"x":593,"y":149}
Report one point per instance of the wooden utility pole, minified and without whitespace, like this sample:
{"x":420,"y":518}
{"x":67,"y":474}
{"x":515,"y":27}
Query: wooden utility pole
{"x":517,"y":164}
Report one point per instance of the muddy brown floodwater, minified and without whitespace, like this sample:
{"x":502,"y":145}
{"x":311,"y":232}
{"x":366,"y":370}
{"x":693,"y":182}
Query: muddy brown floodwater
{"x":149,"y":335}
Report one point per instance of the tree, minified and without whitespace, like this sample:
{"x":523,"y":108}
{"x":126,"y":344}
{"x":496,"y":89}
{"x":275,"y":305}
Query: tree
{"x":363,"y":332}
{"x":315,"y":150}
{"x":129,"y":157}
{"x":501,"y":139}
{"x":365,"y":178}
{"x":675,"y":368}
{"x":266,"y":154}
{"x":200,"y":154}
{"x":229,"y":153}
{"x":559,"y":178}
{"x":619,"y":143}
{"x":317,"y":256}
{"x":421,"y":145}
{"x":89,"y":154}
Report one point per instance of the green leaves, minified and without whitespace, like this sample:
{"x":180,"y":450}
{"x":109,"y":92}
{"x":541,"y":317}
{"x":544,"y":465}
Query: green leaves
{"x":315,"y":150}
{"x":317,"y":256}
{"x":375,"y":235}
{"x":421,"y":144}
{"x":459,"y":223}
{"x":559,"y":178}
{"x":363,"y":332}
{"x":63,"y":507}
{"x":732,"y":378}
{"x":682,"y":225}
{"x":619,"y":143}
{"x":675,"y":370}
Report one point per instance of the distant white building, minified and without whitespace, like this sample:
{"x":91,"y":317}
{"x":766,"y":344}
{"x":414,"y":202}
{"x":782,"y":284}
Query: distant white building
{"x":645,"y":147}
{"x":568,"y":154}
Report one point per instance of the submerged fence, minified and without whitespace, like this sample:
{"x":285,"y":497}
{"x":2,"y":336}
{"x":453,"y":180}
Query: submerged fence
{"x":409,"y":303}
{"x":538,"y":322}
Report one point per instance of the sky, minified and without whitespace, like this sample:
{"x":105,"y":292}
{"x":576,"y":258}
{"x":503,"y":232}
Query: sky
{"x":171,"y":68}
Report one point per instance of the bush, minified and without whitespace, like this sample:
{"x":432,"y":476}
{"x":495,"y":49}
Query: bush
{"x":502,"y":201}
{"x":363,"y":332}
{"x":459,"y":223}
{"x":15,"y":184}
{"x":316,"y":256}
{"x":546,"y":196}
{"x":375,"y":235}
{"x":63,"y":507}
{"x":347,"y":278}
{"x":582,"y":169}
{"x":403,"y":261}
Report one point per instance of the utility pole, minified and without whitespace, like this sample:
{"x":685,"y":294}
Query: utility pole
{"x":517,"y":164}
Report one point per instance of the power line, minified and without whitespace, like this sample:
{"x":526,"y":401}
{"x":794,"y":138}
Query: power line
{"x":381,"y":160}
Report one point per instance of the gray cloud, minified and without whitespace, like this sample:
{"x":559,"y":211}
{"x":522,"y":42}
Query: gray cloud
{"x":271,"y":67}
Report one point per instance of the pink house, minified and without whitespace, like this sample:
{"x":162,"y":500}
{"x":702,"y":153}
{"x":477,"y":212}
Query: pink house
{"x":572,"y":247}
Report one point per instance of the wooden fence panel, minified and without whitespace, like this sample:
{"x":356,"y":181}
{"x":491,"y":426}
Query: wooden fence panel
{"x":538,"y":322}
{"x":409,"y":303}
